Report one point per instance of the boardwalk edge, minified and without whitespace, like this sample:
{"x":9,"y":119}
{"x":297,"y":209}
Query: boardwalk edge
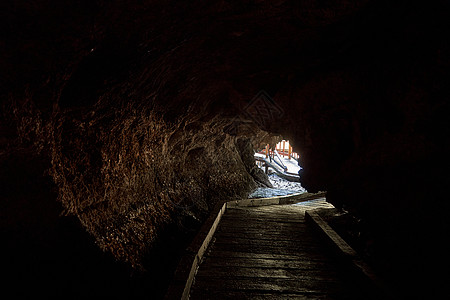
{"x":347,"y":252}
{"x":187,"y":268}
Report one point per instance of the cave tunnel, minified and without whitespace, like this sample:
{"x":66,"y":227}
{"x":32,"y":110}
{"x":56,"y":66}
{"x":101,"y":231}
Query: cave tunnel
{"x":125,"y":122}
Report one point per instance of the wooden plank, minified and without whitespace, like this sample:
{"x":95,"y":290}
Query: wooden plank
{"x":258,"y":235}
{"x":284,"y":243}
{"x":271,"y":285}
{"x":287,"y":218}
{"x":263,"y":219}
{"x":249,"y":248}
{"x":259,"y":250}
{"x":305,"y":264}
{"x":263,"y":243}
{"x":252,"y":237}
{"x":350,"y":254}
{"x":255,"y":232}
{"x":268,"y":211}
{"x":252,"y":221}
{"x":199,"y":253}
{"x":236,"y":254}
{"x":278,"y":228}
{"x":332,"y":235}
{"x":282,"y":235}
{"x":254,"y":224}
{"x":227,"y":272}
{"x":252,"y":272}
{"x":268,"y":224}
{"x":294,"y":198}
{"x":254,"y":202}
{"x":256,"y":295}
{"x":252,"y":248}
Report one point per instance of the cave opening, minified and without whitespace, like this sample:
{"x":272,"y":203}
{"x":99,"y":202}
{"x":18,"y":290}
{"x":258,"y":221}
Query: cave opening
{"x":280,"y":164}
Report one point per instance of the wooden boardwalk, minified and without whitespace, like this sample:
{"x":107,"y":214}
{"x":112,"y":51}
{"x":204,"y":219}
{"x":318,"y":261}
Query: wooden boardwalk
{"x":270,"y":252}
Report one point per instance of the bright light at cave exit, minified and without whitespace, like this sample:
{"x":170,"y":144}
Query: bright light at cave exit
{"x":290,"y":157}
{"x":283,"y":148}
{"x":285,"y":154}
{"x":286,"y":150}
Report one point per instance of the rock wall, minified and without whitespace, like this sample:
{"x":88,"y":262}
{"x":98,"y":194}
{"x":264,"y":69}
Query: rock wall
{"x":139,"y":185}
{"x":127,"y":172}
{"x":379,"y":149}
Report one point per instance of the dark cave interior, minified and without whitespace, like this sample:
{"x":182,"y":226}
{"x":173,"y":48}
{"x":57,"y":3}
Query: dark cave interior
{"x":124,"y":122}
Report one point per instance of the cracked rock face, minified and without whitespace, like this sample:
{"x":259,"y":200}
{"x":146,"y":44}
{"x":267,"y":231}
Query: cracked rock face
{"x":96,"y":93}
{"x":127,"y":177}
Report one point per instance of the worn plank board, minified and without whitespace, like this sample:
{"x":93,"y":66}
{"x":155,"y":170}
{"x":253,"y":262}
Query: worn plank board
{"x":274,"y":285}
{"x":240,"y":254}
{"x":305,"y":264}
{"x":260,"y":250}
{"x":275,"y":236}
{"x":263,"y":220}
{"x":283,"y":228}
{"x":276,"y":241}
{"x":233,"y":295}
{"x":293,"y":273}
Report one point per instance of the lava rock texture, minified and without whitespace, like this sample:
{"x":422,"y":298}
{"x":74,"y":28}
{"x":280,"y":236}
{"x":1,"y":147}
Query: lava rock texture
{"x":137,"y":115}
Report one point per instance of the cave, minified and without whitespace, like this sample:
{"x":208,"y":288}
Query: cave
{"x":125,"y":122}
